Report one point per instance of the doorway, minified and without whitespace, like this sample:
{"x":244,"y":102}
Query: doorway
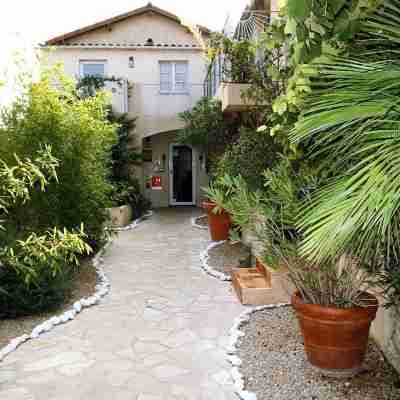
{"x":182,"y":175}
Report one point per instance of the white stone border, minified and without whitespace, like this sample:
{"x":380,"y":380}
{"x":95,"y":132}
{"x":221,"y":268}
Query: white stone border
{"x":102,"y":289}
{"x":198,"y":226}
{"x":134,"y":224}
{"x":205,"y":256}
{"x":234,"y":360}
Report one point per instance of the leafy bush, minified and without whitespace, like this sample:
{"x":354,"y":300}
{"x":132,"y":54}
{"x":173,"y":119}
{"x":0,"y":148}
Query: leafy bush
{"x":17,"y":299}
{"x":128,"y":192}
{"x":249,"y":157}
{"x":207,"y":128}
{"x":35,"y":270}
{"x":36,"y":273}
{"x":81,"y":138}
{"x":125,"y":187}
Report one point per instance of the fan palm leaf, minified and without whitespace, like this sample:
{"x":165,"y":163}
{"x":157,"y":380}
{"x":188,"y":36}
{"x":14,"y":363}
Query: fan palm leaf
{"x":353,"y":116}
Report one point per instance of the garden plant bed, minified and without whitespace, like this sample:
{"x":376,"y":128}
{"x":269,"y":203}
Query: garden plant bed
{"x":226,"y":256}
{"x":85,"y":281}
{"x":275,"y":368}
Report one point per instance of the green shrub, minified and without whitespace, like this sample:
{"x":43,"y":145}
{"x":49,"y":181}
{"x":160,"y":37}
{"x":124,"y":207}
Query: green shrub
{"x":128,"y":192}
{"x":81,"y":138}
{"x":207,"y":129}
{"x":35,"y":269}
{"x":17,"y":299}
{"x":249,"y":157}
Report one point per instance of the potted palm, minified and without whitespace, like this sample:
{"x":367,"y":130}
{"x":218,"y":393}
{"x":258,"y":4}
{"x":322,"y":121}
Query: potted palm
{"x":219,"y":220}
{"x":330,"y":298}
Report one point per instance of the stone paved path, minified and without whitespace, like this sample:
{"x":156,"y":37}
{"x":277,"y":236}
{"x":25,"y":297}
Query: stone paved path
{"x":159,"y":335}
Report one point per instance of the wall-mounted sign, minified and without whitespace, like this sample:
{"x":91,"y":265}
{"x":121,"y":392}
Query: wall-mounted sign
{"x":156,"y":182}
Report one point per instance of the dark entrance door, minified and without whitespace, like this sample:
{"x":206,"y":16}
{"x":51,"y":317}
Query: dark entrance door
{"x":182,"y":175}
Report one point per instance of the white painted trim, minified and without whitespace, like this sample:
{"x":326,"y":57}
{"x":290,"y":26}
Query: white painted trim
{"x":118,"y":47}
{"x":171,"y":176}
{"x":174,"y":91}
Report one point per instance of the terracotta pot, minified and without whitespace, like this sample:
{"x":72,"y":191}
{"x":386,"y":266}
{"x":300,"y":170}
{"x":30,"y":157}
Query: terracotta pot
{"x":219,"y":224}
{"x":335,"y":339}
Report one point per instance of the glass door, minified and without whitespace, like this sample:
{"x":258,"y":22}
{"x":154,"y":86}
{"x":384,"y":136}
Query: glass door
{"x":181,"y":175}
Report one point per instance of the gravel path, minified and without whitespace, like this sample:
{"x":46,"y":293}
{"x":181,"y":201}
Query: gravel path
{"x":226,"y":256}
{"x":275,"y":367}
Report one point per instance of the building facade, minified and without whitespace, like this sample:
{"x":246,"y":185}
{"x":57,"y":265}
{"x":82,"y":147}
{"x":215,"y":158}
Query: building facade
{"x":161,"y":66}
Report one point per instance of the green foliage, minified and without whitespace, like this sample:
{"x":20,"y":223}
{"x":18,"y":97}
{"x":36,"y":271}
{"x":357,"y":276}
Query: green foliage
{"x":89,"y":85}
{"x":242,"y":203}
{"x":206,"y":127}
{"x":36,"y":273}
{"x":249,"y":156}
{"x":125,"y":187}
{"x":81,"y":138}
{"x":127,"y":191}
{"x":219,"y":194}
{"x":357,"y":119}
{"x":53,"y":250}
{"x":17,"y":182}
{"x":49,"y":292}
{"x":352,"y":119}
{"x":239,"y":56}
{"x":35,"y":270}
{"x":123,"y":156}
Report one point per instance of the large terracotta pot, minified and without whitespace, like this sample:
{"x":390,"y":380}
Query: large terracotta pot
{"x":219,"y":224}
{"x":335,"y":339}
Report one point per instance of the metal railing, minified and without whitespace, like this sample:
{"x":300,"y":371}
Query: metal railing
{"x":222,"y":70}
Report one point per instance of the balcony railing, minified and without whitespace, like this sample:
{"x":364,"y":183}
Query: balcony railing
{"x":223,"y":70}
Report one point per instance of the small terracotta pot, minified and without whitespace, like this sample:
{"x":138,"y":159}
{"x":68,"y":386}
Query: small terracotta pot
{"x":335,"y":339}
{"x":219,"y":224}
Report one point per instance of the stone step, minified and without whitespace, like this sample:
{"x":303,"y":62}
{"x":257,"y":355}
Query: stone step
{"x":252,"y":288}
{"x":276,"y":278}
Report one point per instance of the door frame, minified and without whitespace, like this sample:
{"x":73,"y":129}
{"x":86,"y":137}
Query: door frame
{"x":171,"y":176}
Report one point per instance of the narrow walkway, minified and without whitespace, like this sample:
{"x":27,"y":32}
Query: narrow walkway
{"x":160,"y":335}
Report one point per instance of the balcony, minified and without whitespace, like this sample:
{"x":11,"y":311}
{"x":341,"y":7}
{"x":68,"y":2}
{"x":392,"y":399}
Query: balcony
{"x":228,"y":82}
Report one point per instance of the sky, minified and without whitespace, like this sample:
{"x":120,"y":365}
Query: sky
{"x":26,"y":23}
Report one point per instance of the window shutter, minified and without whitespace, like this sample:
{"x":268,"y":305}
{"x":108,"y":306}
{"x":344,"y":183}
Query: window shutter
{"x":181,"y":73}
{"x":166,"y":76}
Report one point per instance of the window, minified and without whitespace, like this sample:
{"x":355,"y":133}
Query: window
{"x":173,"y":76}
{"x":92,"y":68}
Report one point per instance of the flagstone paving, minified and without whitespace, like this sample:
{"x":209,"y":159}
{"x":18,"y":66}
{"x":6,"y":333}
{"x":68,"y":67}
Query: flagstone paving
{"x":161,"y":334}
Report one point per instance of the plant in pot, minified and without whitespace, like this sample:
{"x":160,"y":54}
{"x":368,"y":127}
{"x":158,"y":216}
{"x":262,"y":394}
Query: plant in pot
{"x":330,"y":298}
{"x":219,"y":220}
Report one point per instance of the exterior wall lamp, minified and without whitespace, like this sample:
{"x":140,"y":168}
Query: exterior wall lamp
{"x":131,"y":62}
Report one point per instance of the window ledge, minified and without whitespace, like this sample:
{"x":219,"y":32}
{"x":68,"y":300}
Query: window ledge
{"x":174,"y":93}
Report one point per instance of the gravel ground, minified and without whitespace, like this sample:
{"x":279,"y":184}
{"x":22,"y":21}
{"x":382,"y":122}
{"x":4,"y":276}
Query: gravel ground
{"x":275,"y":367}
{"x":84,"y":286}
{"x":226,"y":256}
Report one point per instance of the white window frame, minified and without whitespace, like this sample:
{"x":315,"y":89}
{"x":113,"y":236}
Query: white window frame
{"x":82,"y":63}
{"x":174,"y":90}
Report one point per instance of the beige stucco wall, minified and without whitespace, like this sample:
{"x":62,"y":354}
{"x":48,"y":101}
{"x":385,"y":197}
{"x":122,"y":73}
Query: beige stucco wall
{"x":386,"y":331}
{"x":160,"y":145}
{"x":155,"y":113}
{"x":138,"y":29}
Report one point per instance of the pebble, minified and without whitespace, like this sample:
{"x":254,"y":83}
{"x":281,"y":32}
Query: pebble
{"x":77,"y":306}
{"x":275,"y":366}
